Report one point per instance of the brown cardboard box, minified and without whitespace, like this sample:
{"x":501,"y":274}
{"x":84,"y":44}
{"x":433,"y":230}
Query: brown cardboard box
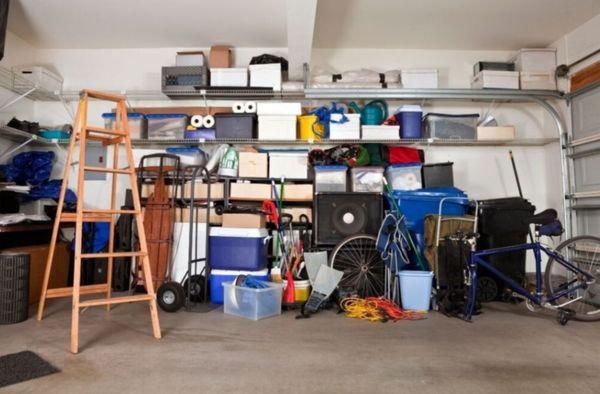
{"x":244,"y":220}
{"x":250,"y":191}
{"x":303,"y":192}
{"x":38,"y":255}
{"x":253,"y":165}
{"x":220,"y":56}
{"x":201,"y":191}
{"x":182,"y":215}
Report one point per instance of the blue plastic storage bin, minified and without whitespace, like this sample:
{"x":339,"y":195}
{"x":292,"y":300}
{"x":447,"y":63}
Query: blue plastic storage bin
{"x":416,"y":204}
{"x":232,"y":248}
{"x":218,"y":277}
{"x":415,"y":289}
{"x":136,"y":121}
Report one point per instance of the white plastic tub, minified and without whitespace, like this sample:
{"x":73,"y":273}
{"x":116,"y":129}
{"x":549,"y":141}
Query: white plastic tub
{"x":420,"y":78}
{"x":487,"y":79}
{"x":288,"y":164}
{"x":229,"y":77}
{"x":265,"y":75}
{"x":531,"y":80}
{"x":382,"y":132}
{"x":330,"y":178}
{"x":349,"y":130}
{"x":404,"y":176}
{"x":253,"y":304}
{"x":535,"y":59}
{"x":367,"y":179}
{"x":415,"y":289}
{"x":277,"y":127}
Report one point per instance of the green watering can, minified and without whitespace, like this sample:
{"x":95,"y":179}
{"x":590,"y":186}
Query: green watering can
{"x":373,"y":113}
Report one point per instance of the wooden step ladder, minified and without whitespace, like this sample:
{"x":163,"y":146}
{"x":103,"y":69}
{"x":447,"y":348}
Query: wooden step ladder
{"x":115,"y":137}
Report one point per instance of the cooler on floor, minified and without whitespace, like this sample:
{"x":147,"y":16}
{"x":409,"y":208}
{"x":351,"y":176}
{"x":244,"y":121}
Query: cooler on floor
{"x":233,"y":248}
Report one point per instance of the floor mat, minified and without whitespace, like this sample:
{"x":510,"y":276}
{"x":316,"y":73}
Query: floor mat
{"x":23,"y":366}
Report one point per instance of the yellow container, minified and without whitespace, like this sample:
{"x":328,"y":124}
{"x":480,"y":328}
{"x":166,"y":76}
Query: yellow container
{"x":302,"y":290}
{"x":310,"y":128}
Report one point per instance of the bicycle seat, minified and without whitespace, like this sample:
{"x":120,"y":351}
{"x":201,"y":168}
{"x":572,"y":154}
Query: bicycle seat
{"x":545,"y":217}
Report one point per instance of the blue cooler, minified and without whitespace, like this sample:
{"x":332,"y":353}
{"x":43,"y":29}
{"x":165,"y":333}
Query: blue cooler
{"x":232,"y":248}
{"x":410,"y":119}
{"x":218,"y":277}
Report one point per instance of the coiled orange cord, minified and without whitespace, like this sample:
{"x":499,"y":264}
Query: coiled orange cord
{"x":377,"y":309}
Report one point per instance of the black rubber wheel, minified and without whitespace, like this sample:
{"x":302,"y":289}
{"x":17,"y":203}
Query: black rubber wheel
{"x":487,"y":289}
{"x":170,"y":297}
{"x":562,"y":318}
{"x":196,"y":288}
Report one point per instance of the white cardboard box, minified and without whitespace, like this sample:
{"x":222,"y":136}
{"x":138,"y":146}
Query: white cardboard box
{"x":535,"y":59}
{"x":265,"y":75}
{"x":382,"y":132}
{"x":236,"y":77}
{"x":191,"y":58}
{"x":538,"y":80}
{"x":269,"y":108}
{"x":496,"y":133}
{"x":349,"y":130}
{"x":288,"y":164}
{"x":420,"y":78}
{"x":277,"y":127}
{"x":489,"y":79}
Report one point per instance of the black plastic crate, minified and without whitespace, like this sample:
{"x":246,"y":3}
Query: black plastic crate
{"x":437,"y":175}
{"x":232,"y":126}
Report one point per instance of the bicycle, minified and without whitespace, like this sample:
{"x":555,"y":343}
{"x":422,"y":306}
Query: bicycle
{"x":569,"y":285}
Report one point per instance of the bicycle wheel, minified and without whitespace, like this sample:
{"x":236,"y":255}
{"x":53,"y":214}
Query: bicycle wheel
{"x":584,"y":253}
{"x":364,"y":271}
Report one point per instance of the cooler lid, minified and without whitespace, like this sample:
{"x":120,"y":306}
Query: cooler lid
{"x":239,"y":232}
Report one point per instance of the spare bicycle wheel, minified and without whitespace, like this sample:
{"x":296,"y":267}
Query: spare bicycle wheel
{"x":364,"y":270}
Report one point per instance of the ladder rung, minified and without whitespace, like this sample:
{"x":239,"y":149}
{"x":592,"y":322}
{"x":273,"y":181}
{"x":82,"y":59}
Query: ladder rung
{"x":106,"y":169}
{"x":68,"y":291}
{"x":113,"y":211}
{"x":104,"y":140}
{"x":113,"y":254}
{"x":102,"y":130}
{"x":104,"y":96}
{"x":69,"y":217}
{"x":117,"y":300}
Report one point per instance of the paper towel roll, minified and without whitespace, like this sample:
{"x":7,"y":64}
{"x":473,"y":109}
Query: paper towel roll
{"x":250,"y":107}
{"x":238,"y":107}
{"x":196,"y":121}
{"x":208,"y":122}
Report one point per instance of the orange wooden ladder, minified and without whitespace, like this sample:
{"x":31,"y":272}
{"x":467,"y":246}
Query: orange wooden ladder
{"x":117,"y":136}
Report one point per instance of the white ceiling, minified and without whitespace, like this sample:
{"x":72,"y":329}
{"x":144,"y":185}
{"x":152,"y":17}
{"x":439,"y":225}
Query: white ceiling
{"x":427,"y":24}
{"x":448,"y":24}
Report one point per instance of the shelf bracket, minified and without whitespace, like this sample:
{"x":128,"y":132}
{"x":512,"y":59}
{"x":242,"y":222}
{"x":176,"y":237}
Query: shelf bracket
{"x":17,"y":98}
{"x":10,"y":151}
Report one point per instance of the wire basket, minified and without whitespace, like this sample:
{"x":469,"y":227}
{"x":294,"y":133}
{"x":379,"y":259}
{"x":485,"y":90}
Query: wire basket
{"x":14,"y":287}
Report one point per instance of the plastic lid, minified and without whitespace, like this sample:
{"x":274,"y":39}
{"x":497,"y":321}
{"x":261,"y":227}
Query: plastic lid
{"x":401,"y":165}
{"x":415,"y":273}
{"x":166,"y":116}
{"x":411,"y":108}
{"x":239,"y":232}
{"x":452,"y":115}
{"x":130,"y":115}
{"x":331,"y":168}
{"x":264,"y":272}
{"x":184,"y":150}
{"x":448,"y":163}
{"x":435,"y":193}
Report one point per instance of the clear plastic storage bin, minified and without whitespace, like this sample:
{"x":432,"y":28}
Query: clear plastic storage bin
{"x":135,"y":121}
{"x":404,"y":176}
{"x":166,"y":126}
{"x":330,"y":178}
{"x":367,"y":179}
{"x":253,"y":304}
{"x":445,"y":126}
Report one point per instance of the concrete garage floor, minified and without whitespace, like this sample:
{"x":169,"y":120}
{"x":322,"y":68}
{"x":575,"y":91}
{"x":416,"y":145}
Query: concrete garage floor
{"x":506,"y":350}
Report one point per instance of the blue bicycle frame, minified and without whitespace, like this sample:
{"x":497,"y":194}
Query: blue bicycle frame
{"x":478,"y":259}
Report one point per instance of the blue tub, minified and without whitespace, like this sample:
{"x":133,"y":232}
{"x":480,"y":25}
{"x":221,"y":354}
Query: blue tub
{"x":410,"y":118}
{"x":232,"y":248}
{"x":415,"y":289}
{"x":218,"y":277}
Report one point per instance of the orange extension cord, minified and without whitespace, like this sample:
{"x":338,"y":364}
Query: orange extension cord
{"x":378,"y":310}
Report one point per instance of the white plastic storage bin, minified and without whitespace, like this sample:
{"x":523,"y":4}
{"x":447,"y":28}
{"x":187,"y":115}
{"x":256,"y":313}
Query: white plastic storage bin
{"x":535,"y":59}
{"x":218,"y":277}
{"x":330,"y":178}
{"x":277,"y":127}
{"x":367,"y":179}
{"x":404,"y":176}
{"x":419,"y":78}
{"x":135,"y":121}
{"x":382,"y":132}
{"x":288,"y":164}
{"x":265,"y":75}
{"x":269,"y":108}
{"x":487,"y":79}
{"x":538,"y":80}
{"x":37,"y":76}
{"x":166,"y":126}
{"x":229,"y":77}
{"x":449,"y":126}
{"x":253,"y":304}
{"x":349,"y":130}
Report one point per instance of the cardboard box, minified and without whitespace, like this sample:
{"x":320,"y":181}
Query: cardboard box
{"x":201,"y":191}
{"x":220,"y":56}
{"x":496,"y":133}
{"x":250,"y":191}
{"x":297,"y":192}
{"x":244,"y":220}
{"x":189,"y":58}
{"x":182,"y":215}
{"x":37,"y":266}
{"x":253,"y":165}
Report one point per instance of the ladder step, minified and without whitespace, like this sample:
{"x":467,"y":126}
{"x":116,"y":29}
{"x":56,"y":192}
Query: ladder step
{"x":68,"y":291}
{"x":114,"y":254}
{"x":117,"y":300}
{"x":71,"y":217}
{"x":102,"y":130}
{"x":105,"y":140}
{"x":109,"y":170}
{"x":103,"y":96}
{"x":113,"y":211}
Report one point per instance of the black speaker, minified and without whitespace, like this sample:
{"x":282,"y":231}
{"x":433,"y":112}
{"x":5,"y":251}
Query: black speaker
{"x":338,"y":215}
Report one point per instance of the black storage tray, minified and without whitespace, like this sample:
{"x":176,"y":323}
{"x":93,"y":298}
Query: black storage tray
{"x":235,"y":126}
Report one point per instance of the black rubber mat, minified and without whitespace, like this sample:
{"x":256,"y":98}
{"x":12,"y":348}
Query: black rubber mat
{"x":23,"y":366}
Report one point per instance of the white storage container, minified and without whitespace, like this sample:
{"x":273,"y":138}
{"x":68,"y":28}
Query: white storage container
{"x":265,"y":75}
{"x":229,"y":77}
{"x":535,"y":59}
{"x":253,"y":304}
{"x":288,"y":164}
{"x":367,"y":179}
{"x":269,"y":108}
{"x":496,"y":133}
{"x":382,"y":132}
{"x":419,"y":78}
{"x":496,"y":80}
{"x":192,"y":58}
{"x":277,"y":127}
{"x":349,"y":130}
{"x":38,"y":76}
{"x":404,"y":176}
{"x":531,"y":80}
{"x":330,"y":178}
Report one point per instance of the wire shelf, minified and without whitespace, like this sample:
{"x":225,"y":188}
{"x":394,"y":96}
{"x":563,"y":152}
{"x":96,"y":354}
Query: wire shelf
{"x":24,"y":87}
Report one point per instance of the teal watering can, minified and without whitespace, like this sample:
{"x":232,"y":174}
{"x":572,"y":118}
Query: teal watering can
{"x":373,"y":113}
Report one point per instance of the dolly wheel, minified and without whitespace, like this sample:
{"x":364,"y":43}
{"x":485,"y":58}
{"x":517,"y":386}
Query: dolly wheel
{"x":564,"y":316}
{"x":170,"y":296}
